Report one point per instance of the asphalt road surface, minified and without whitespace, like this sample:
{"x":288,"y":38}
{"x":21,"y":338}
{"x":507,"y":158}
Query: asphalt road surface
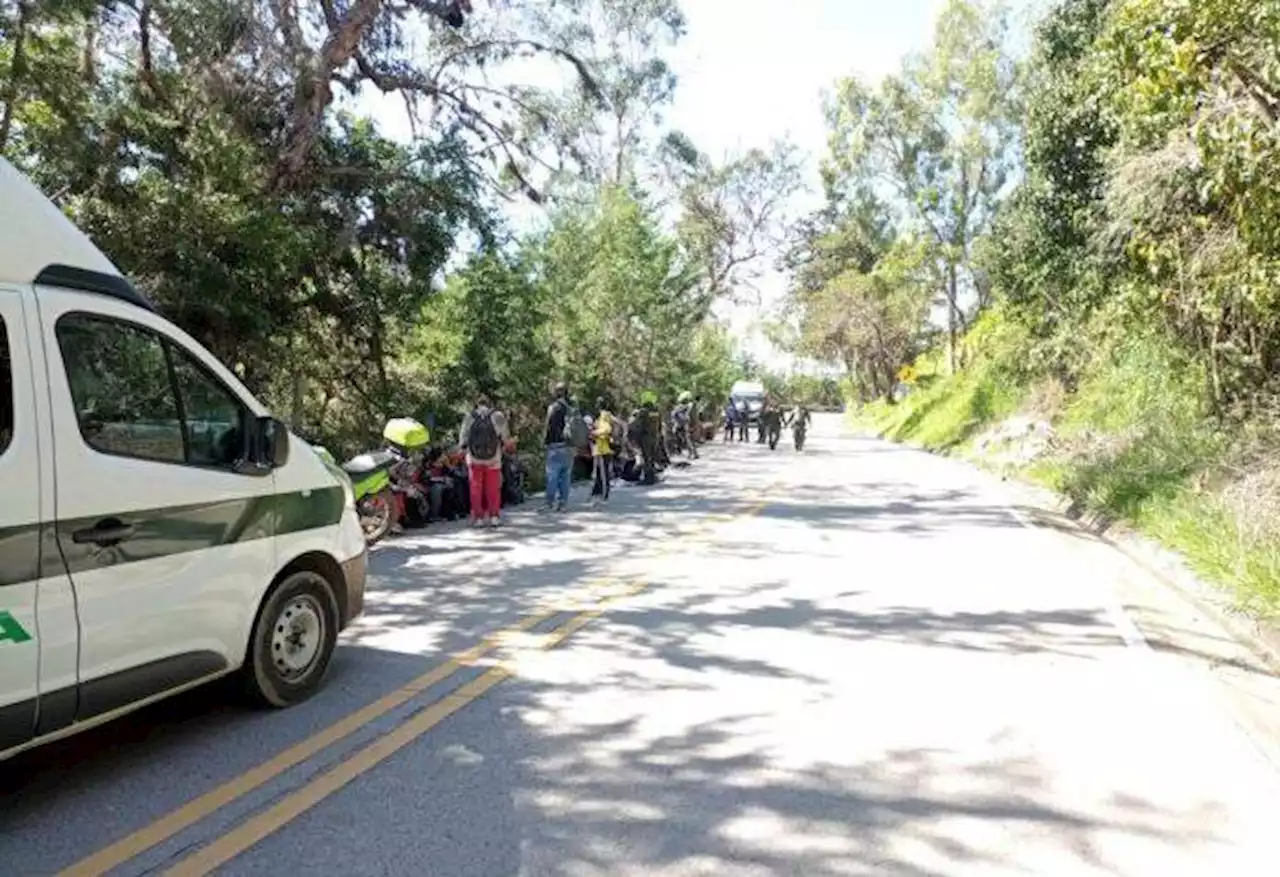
{"x":856,"y":660}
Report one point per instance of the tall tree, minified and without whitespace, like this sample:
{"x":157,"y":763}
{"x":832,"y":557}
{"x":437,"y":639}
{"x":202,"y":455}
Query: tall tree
{"x":604,"y":133}
{"x":732,"y":215}
{"x":940,"y":136}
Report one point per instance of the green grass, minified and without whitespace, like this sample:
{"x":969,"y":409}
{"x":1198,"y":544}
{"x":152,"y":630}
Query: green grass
{"x":1135,"y":443}
{"x":944,"y":413}
{"x":1210,"y":537}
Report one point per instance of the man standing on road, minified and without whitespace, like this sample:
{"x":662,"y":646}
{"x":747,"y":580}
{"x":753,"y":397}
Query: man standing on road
{"x":647,"y":429}
{"x":770,"y":424}
{"x":483,"y":433}
{"x":559,"y":453}
{"x":682,"y":422}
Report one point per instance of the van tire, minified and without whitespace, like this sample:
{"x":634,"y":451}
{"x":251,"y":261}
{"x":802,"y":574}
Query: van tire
{"x":293,"y":640}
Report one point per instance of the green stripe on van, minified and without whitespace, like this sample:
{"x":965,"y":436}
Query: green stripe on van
{"x":172,"y":530}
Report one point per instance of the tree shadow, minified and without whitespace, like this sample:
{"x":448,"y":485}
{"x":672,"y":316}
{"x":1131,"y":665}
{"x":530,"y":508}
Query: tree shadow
{"x":635,"y":762}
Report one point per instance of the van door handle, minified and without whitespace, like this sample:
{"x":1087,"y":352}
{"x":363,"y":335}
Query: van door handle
{"x":105,"y":533}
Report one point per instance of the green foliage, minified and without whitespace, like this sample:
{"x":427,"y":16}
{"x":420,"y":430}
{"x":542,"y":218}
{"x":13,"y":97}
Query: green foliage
{"x":802,"y":389}
{"x":946,"y":408}
{"x":205,"y":147}
{"x":1147,"y":403}
{"x":1135,"y":268}
{"x":941,"y":137}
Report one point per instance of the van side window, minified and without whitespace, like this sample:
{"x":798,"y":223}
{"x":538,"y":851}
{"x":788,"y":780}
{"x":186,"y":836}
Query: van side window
{"x":138,"y":394}
{"x":214,"y":419}
{"x":7,"y":415}
{"x":121,"y":388}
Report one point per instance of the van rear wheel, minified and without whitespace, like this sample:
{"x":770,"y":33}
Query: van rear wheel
{"x":293,"y":640}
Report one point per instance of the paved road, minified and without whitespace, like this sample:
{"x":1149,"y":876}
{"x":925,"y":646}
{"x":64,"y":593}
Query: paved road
{"x":859,"y":660}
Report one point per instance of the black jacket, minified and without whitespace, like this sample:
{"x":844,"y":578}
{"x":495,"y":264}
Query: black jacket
{"x":557,"y":414}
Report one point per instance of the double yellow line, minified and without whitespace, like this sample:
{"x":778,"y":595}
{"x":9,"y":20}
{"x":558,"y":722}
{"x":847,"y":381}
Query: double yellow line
{"x":253,"y":830}
{"x":133,"y":845}
{"x":263,"y":824}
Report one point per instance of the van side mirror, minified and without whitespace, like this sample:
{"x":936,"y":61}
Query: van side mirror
{"x":267,"y":449}
{"x":274,"y":442}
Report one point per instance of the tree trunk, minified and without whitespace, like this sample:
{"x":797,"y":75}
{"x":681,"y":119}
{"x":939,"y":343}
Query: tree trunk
{"x":953,"y":319}
{"x":17,"y":72}
{"x":314,"y":90}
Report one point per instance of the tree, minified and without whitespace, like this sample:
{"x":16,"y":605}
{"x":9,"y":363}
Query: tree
{"x":1150,"y":202}
{"x":206,"y":148}
{"x":869,"y":321}
{"x":733,"y":215}
{"x":603,"y":134}
{"x":940,"y":137}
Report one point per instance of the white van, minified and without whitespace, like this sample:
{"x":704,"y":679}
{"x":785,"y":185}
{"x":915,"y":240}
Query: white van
{"x":157,"y":528}
{"x":748,"y":397}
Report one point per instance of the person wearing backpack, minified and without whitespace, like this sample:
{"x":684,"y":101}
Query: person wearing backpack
{"x":560,"y":450}
{"x":484,"y":430}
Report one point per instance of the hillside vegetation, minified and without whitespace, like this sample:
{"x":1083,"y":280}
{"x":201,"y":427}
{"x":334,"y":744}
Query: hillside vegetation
{"x":1115,"y":335}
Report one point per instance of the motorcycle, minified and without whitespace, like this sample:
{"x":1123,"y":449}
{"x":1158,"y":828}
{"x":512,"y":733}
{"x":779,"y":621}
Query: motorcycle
{"x":376,"y":503}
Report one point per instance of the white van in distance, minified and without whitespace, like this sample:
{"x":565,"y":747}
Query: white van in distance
{"x":158,"y":529}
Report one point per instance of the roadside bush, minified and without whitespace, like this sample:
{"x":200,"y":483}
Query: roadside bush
{"x":946,"y":410}
{"x":1137,"y":430}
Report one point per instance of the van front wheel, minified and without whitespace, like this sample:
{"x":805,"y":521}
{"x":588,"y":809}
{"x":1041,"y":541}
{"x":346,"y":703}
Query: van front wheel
{"x":293,"y":640}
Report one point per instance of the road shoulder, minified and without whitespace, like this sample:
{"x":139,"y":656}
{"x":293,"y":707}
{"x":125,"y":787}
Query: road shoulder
{"x":1179,"y":617}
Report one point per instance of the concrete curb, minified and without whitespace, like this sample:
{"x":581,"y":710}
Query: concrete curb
{"x":1171,"y":569}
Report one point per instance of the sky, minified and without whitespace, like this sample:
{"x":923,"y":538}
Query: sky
{"x":754,"y":71}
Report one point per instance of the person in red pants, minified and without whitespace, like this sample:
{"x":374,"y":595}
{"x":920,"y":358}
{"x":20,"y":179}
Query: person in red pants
{"x":483,"y":433}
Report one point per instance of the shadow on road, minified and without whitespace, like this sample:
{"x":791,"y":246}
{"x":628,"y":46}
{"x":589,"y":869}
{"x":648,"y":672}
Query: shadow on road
{"x":566,"y":783}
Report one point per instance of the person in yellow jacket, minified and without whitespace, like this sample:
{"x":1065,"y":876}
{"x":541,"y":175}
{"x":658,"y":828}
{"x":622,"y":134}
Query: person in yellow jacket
{"x":602,"y":451}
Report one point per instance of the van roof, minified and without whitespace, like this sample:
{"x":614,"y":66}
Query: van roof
{"x":39,"y":244}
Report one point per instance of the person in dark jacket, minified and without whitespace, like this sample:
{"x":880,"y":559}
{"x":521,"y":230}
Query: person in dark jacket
{"x":647,"y":426}
{"x":770,"y":423}
{"x":559,"y":454}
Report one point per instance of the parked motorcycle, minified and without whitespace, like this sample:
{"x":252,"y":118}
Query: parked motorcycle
{"x":376,"y":503}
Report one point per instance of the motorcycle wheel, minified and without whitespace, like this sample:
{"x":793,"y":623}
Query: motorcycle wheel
{"x":377,"y":513}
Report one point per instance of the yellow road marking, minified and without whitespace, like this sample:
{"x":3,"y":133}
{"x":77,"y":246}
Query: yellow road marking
{"x":266,"y":823}
{"x":155,"y":833}
{"x":193,"y":811}
{"x":249,"y":833}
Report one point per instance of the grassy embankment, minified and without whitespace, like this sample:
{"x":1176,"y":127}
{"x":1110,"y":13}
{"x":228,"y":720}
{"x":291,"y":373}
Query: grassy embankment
{"x":1134,"y":441}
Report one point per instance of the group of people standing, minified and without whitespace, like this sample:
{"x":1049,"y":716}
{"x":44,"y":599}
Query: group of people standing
{"x":770,"y":421}
{"x":630,"y":448}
